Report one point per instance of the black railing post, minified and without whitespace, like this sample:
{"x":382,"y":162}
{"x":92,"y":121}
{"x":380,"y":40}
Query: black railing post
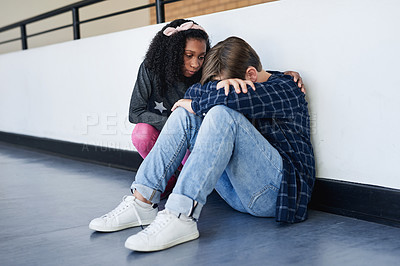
{"x":160,"y":11}
{"x":75,"y":23}
{"x":24,"y":39}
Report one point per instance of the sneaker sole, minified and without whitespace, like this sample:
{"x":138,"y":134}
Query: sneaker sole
{"x":181,"y":240}
{"x":119,"y":228}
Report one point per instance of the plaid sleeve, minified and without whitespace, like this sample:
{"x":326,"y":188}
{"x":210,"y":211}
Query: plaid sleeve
{"x":277,"y":98}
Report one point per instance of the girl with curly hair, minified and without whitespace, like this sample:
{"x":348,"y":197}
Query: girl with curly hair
{"x":172,"y":64}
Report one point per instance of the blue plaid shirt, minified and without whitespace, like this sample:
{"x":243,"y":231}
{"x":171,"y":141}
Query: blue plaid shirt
{"x":278,"y":110}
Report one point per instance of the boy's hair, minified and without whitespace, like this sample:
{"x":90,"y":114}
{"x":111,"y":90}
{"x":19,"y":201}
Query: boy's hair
{"x":165,"y":55}
{"x":229,"y":58}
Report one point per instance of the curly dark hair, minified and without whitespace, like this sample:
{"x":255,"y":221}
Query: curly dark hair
{"x":165,"y":55}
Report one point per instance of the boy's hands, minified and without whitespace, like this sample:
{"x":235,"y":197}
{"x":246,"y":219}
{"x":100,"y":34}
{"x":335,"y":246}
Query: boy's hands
{"x":240,"y":85}
{"x":185,"y":103}
{"x":297,"y":78}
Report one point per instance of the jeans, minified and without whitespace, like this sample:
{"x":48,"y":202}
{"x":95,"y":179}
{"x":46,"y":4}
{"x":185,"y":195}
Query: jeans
{"x":227,"y":153}
{"x":144,"y":136}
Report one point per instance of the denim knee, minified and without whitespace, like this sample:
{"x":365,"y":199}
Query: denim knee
{"x":179,"y":113}
{"x":221,"y":114}
{"x":180,"y":116}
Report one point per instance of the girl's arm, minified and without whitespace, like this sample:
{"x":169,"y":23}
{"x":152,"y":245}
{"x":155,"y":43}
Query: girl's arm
{"x":138,"y":112}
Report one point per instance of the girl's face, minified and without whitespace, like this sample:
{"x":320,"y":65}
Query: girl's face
{"x":193,"y":56}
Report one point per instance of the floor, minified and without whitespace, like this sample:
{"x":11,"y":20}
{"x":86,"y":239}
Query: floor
{"x":46,"y":203}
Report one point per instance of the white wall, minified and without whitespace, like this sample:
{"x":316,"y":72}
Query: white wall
{"x":346,"y":51}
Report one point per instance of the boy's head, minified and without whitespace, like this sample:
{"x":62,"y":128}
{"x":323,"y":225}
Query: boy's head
{"x":230,"y":58}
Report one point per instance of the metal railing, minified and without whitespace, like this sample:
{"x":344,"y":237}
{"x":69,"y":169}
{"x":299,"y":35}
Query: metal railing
{"x":74,"y":9}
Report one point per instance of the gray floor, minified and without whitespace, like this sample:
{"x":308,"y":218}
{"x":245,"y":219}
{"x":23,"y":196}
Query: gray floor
{"x":46,"y":203}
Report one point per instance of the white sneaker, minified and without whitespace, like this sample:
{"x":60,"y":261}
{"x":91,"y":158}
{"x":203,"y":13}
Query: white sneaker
{"x":129,"y":213}
{"x":166,"y":231}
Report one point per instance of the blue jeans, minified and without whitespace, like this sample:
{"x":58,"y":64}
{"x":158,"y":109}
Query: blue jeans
{"x":227,"y":153}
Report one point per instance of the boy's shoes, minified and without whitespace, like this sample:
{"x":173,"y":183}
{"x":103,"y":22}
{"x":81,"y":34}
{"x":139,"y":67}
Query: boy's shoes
{"x":166,"y":231}
{"x":131,"y":212}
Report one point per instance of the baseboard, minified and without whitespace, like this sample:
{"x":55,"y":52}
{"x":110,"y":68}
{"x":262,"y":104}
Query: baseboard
{"x":366,"y":202}
{"x":124,"y":159}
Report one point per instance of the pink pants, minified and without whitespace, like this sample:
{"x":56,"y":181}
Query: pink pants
{"x":144,"y":136}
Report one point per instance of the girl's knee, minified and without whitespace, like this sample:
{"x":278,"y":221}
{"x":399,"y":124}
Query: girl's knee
{"x":144,"y":133}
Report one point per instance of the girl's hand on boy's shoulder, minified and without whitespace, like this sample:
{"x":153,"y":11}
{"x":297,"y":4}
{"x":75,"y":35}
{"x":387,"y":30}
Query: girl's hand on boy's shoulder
{"x":185,"y":103}
{"x":297,"y":79}
{"x":239,"y":85}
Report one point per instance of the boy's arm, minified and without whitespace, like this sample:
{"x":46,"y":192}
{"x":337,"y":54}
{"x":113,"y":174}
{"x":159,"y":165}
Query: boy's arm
{"x":240,"y":85}
{"x":277,"y":99}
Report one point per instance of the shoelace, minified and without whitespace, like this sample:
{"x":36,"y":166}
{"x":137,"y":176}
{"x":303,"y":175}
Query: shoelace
{"x":137,"y":215}
{"x":122,"y":206}
{"x":161,"y":220}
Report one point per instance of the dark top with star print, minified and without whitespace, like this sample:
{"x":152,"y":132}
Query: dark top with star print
{"x":147,"y":104}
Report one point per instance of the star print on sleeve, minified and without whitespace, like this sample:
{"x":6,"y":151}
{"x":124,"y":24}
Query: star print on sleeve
{"x":160,"y":106}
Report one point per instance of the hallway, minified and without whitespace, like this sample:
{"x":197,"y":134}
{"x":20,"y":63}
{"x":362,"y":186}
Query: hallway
{"x":47,"y":201}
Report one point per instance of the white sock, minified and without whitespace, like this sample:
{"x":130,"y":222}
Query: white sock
{"x":143,"y":204}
